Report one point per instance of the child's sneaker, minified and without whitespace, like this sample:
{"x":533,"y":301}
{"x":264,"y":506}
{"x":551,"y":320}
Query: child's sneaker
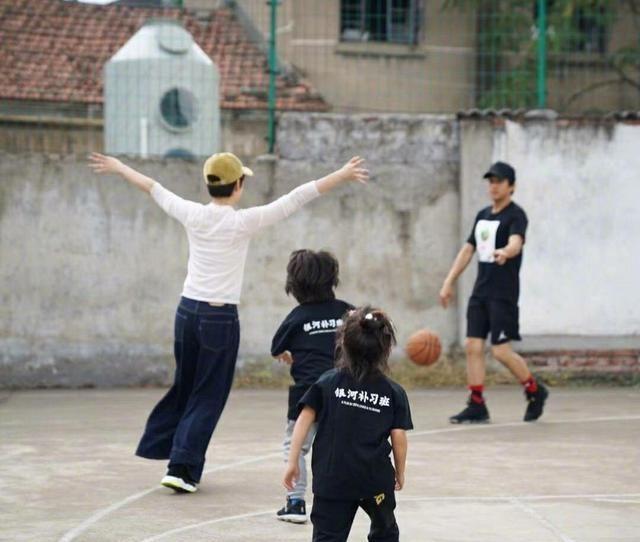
{"x":535,"y":404}
{"x":179,"y":480}
{"x":474,"y":413}
{"x":294,"y":511}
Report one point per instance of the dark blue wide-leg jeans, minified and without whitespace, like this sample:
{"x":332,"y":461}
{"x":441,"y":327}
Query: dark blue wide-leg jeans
{"x":179,"y":428}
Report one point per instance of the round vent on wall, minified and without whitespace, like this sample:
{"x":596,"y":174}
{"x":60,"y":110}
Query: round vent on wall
{"x":178,"y":108}
{"x":181,"y":154}
{"x":174,"y":39}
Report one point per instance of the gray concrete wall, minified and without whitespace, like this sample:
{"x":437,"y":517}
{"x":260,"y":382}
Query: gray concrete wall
{"x":91,"y":269}
{"x":578,"y":183}
{"x":242,"y":132}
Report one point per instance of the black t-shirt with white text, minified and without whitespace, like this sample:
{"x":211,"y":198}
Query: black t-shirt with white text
{"x":490,"y":232}
{"x":309,"y":333}
{"x":351,"y":448}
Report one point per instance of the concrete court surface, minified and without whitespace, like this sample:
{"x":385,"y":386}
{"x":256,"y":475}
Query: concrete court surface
{"x":68,"y":471}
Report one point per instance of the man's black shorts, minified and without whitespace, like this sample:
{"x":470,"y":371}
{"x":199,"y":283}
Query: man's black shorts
{"x":496,"y":316}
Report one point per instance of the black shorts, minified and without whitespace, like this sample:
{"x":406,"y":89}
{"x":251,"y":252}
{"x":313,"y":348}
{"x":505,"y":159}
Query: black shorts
{"x":332,"y":519}
{"x":498,"y":316}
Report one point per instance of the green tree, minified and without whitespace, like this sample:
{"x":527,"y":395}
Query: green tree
{"x":507,"y":39}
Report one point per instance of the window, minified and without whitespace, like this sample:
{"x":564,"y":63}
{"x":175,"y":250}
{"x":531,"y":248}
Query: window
{"x":391,"y":21}
{"x":591,"y":30}
{"x":178,"y":108}
{"x":585,"y":30}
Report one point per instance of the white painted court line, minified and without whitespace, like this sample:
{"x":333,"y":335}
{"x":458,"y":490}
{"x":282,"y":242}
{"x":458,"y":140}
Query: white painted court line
{"x":542,"y":520}
{"x":15,"y":453}
{"x":478,"y":427}
{"x":513,"y":500}
{"x":204,"y":523}
{"x":97,"y":516}
{"x":619,"y":500}
{"x":613,"y":497}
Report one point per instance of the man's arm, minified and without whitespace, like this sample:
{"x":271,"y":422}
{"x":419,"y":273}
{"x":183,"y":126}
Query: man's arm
{"x":511,"y":250}
{"x":300,"y":431}
{"x":399,"y":446}
{"x":459,"y":265}
{"x":108,"y":164}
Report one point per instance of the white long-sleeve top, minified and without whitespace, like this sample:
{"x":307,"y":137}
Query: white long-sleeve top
{"x":219,"y":238}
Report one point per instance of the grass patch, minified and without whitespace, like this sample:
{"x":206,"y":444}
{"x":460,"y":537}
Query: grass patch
{"x":449,"y":371}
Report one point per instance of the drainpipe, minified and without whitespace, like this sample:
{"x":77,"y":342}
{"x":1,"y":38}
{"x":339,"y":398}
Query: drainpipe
{"x":273,"y":72}
{"x":541,"y":76}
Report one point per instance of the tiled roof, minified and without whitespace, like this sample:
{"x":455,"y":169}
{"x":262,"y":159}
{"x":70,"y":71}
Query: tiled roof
{"x":55,"y":50}
{"x":624,"y":115}
{"x":543,"y":114}
{"x":547,"y":114}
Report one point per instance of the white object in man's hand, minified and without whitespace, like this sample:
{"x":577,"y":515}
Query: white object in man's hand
{"x":500,"y":256}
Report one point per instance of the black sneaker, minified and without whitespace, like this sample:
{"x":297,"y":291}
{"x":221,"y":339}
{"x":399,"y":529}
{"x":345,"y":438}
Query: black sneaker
{"x":179,"y":479}
{"x":474,"y":413}
{"x":294,"y":511}
{"x":535,"y":404}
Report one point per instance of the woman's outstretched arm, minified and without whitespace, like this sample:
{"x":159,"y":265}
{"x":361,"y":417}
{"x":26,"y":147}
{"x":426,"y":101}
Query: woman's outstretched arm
{"x":103,"y":164}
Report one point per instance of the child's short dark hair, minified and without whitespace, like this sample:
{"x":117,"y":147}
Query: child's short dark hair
{"x":221,"y":190}
{"x":364,"y":343}
{"x":312,"y":276}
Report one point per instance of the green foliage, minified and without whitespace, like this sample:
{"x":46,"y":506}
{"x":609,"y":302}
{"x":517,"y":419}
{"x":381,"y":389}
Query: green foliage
{"x":507,"y":44}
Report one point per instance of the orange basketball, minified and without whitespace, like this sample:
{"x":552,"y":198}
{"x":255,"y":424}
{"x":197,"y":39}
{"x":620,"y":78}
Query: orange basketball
{"x":424,"y":347}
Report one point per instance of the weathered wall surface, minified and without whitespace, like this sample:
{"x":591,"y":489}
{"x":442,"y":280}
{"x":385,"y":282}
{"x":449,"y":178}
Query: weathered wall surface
{"x":92,"y":269}
{"x":578,"y":183}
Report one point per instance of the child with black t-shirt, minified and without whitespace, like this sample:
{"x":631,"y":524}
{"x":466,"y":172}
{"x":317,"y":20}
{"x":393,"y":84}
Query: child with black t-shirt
{"x":357,"y":410}
{"x":306,"y":341}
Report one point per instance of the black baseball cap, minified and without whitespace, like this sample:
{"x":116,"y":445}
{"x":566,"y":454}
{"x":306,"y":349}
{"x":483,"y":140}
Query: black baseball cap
{"x":502,"y":170}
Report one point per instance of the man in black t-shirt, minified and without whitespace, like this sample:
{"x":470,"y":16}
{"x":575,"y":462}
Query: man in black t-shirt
{"x":498,"y":235}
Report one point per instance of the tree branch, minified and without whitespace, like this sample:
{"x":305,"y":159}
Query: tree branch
{"x":626,"y":78}
{"x":588,"y":89}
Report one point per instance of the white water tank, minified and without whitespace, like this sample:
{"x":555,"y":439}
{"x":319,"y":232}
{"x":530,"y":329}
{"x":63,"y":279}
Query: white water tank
{"x":161,"y":95}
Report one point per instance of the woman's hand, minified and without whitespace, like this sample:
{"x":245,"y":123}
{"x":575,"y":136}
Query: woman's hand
{"x":353,"y":170}
{"x":103,"y":164}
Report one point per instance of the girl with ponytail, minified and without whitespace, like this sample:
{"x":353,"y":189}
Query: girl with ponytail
{"x":361,"y":417}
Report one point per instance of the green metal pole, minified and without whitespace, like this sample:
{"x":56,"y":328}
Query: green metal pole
{"x":541,"y":77}
{"x":273,"y":71}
